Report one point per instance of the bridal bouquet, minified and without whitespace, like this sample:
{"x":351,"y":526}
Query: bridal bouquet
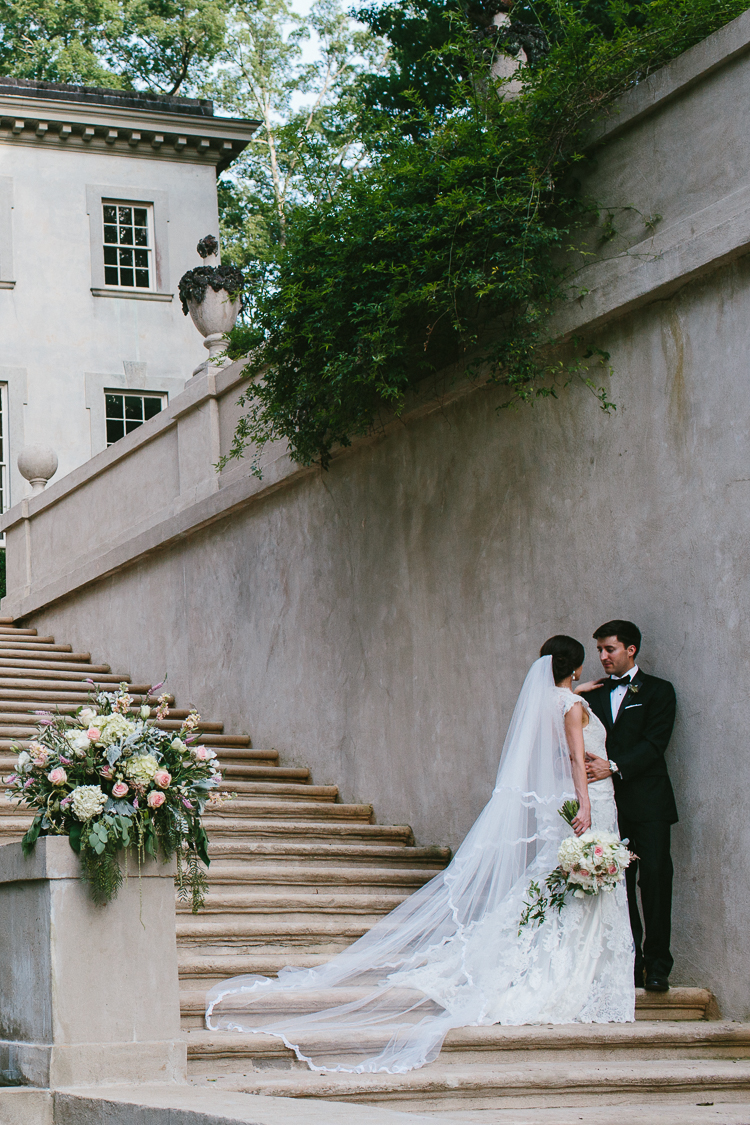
{"x":109,"y":779}
{"x":589,"y":864}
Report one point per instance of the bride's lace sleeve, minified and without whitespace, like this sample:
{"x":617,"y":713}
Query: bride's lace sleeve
{"x":569,"y":699}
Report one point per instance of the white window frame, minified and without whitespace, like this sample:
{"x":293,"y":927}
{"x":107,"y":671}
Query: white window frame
{"x":130,"y":392}
{"x":150,"y":249}
{"x":140,"y":197}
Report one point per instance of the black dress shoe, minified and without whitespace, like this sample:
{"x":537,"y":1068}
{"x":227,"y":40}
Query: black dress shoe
{"x":657,"y":984}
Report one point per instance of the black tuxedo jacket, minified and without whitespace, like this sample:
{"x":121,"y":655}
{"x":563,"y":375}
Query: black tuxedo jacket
{"x":636,"y":741}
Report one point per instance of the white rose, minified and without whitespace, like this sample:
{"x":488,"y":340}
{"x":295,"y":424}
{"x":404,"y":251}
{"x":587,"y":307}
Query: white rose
{"x":145,"y":712}
{"x":79,"y":743}
{"x":177,"y":744}
{"x":88,"y":801}
{"x":86,"y":716}
{"x":24,"y":763}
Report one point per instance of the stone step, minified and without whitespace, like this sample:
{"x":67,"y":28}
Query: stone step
{"x":32,"y":695}
{"x":328,"y":937}
{"x":232,"y":768}
{"x":298,"y":831}
{"x":345,"y":879}
{"x":8,"y":629}
{"x":211,"y":1052}
{"x":203,"y":725}
{"x":76,"y":680}
{"x":31,"y":644}
{"x":197,"y":971}
{"x":276,"y":853}
{"x":18,"y":658}
{"x":490,"y":1086}
{"x":281,"y":789}
{"x":315,"y":907}
{"x":261,"y":808}
{"x":218,"y":741}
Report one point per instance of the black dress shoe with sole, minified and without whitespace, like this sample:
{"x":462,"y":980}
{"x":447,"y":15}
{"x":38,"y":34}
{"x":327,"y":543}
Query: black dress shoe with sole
{"x":657,"y":984}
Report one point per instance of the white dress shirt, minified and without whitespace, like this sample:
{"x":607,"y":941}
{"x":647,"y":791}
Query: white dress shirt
{"x":618,"y":694}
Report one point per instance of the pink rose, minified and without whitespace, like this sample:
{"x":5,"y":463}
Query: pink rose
{"x":585,"y":873}
{"x":155,"y":799}
{"x":57,"y":777}
{"x":163,"y":779}
{"x":613,"y":869}
{"x":93,"y":734}
{"x":107,"y":771}
{"x":201,"y":753}
{"x":598,"y":850}
{"x":120,"y":789}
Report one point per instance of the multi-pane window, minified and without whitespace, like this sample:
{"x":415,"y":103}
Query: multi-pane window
{"x":128,"y":245}
{"x":125,"y":412}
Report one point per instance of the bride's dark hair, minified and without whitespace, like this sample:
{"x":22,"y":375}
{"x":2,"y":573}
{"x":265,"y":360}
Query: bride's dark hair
{"x":567,"y":654}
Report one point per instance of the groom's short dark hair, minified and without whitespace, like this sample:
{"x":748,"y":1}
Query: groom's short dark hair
{"x":626,"y":632}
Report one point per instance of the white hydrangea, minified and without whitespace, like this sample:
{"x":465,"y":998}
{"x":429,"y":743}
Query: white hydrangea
{"x":141,"y":768}
{"x":88,"y":801}
{"x":112,"y":728}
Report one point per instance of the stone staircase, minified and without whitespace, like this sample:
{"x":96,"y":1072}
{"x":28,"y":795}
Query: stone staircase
{"x":296,"y":876}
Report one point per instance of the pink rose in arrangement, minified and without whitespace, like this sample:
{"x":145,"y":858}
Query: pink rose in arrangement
{"x":585,"y":873}
{"x":163,"y":779}
{"x":107,"y":771}
{"x":119,"y":789}
{"x":155,"y":800}
{"x":93,"y":734}
{"x":598,"y":850}
{"x":57,"y":777}
{"x":613,"y":869}
{"x":41,"y":759}
{"x":201,"y":753}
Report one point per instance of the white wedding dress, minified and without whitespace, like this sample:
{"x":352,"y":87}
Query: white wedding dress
{"x":451,"y":955}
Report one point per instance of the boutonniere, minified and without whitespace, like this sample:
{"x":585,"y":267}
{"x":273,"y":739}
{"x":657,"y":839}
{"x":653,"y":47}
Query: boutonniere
{"x":634,"y":688}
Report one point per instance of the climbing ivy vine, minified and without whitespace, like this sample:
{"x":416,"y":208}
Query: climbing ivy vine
{"x":448,"y":244}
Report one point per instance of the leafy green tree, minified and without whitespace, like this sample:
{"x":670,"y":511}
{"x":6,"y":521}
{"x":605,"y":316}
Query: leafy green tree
{"x":449,"y":243}
{"x":309,"y":136}
{"x":160,"y":45}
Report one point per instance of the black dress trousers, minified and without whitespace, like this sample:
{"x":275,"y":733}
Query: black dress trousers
{"x":649,"y":839}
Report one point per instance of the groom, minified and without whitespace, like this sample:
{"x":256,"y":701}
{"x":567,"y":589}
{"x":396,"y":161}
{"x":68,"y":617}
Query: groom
{"x":638,"y":712}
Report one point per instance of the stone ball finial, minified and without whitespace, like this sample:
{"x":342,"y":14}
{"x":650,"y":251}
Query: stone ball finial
{"x":208,"y":246}
{"x":38,"y":463}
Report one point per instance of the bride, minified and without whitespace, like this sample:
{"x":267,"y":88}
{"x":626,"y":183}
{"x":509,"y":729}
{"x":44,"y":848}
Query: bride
{"x":452,"y":955}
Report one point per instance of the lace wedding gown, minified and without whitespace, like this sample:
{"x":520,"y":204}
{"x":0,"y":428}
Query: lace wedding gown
{"x":451,"y":955}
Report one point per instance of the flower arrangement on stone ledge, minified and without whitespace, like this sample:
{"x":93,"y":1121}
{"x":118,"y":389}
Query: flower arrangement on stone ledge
{"x":110,"y":780}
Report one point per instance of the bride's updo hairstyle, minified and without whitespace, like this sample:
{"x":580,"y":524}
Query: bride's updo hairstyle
{"x":567,"y":654}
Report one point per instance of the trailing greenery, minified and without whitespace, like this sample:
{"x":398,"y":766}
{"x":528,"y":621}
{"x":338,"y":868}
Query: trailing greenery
{"x":446,"y":244}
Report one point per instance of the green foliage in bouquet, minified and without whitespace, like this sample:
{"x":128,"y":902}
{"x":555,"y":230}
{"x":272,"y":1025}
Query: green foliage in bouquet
{"x":112,"y":781}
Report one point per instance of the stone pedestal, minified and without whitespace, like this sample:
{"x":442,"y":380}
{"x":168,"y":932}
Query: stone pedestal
{"x":88,"y":994}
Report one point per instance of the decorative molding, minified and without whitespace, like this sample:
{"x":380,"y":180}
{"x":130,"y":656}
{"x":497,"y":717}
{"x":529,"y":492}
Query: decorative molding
{"x":124,"y":294}
{"x":7,"y":284}
{"x":16,"y":380}
{"x":150,"y":134}
{"x":159,"y":200}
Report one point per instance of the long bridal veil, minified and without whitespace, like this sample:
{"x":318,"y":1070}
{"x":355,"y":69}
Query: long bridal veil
{"x":387,"y":1002}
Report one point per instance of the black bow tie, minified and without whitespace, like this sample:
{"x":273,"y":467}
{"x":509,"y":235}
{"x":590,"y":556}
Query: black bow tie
{"x":612,"y":682}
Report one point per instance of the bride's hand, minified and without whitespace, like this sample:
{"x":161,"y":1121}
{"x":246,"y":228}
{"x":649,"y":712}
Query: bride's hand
{"x":581,"y":822}
{"x":590,"y":685}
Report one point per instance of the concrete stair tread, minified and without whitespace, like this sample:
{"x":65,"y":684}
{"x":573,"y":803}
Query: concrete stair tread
{"x":255,"y":874}
{"x":502,"y":1080}
{"x":329,"y":852}
{"x":283,"y":788}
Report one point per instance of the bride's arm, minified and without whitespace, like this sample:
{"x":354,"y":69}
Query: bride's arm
{"x":574,"y":735}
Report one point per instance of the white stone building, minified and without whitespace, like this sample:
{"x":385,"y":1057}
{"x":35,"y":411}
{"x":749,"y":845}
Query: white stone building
{"x":103,"y":197}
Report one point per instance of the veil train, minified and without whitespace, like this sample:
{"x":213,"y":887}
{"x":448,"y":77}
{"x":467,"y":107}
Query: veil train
{"x":387,"y":1002}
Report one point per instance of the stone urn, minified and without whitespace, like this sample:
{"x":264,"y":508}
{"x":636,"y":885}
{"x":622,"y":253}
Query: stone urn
{"x":212,"y":294}
{"x":37,"y":463}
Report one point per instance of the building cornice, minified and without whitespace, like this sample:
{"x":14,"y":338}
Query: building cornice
{"x":149,"y":134}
